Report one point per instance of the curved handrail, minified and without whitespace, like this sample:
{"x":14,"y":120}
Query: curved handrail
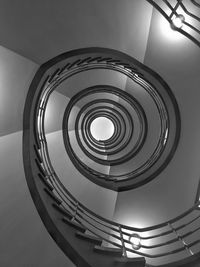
{"x":172,"y":7}
{"x":113,"y":233}
{"x":91,"y":220}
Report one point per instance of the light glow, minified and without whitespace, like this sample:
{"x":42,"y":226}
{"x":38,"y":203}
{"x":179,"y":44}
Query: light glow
{"x":135,"y":241}
{"x":177,"y":22}
{"x":168,"y":33}
{"x":102,"y":128}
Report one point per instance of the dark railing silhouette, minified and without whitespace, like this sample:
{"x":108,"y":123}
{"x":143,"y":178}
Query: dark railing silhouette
{"x":111,"y":232}
{"x":109,"y":63}
{"x":118,"y":235}
{"x":191,"y":24}
{"x":137,"y":75}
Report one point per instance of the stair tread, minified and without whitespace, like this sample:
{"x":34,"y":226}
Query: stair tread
{"x":53,"y":196}
{"x":44,"y":180}
{"x":124,"y":259}
{"x":88,"y":237}
{"x":75,"y":224}
{"x":108,"y":250}
{"x":62,"y":210}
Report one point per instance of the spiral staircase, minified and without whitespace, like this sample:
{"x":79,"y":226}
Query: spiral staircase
{"x":126,"y":199}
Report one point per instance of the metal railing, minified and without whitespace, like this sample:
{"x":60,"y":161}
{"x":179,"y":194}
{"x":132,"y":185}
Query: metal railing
{"x":156,"y":241}
{"x":108,"y":63}
{"x":191,"y":23}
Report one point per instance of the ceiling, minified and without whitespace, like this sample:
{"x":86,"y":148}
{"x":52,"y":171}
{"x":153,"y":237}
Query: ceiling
{"x":40,"y":30}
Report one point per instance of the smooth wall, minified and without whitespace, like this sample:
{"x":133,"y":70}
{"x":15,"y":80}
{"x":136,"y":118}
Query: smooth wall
{"x":24,"y":240}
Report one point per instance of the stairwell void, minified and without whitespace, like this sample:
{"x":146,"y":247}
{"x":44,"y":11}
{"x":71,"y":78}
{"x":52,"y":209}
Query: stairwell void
{"x":124,"y":159}
{"x":143,"y":127}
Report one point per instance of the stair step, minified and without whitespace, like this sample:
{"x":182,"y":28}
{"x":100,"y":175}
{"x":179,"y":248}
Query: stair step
{"x":44,"y":180}
{"x":62,"y":210}
{"x":126,"y":262}
{"x":75,"y":224}
{"x":43,"y":172}
{"x":53,"y":196}
{"x":108,"y":251}
{"x":37,"y":154}
{"x":93,"y":239}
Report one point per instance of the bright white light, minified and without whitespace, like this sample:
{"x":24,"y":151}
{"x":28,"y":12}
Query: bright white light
{"x":177,"y":21}
{"x":135,"y":241}
{"x":168,"y":33}
{"x":102,"y":128}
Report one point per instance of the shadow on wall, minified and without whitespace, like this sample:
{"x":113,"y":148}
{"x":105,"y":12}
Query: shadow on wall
{"x":24,"y":239}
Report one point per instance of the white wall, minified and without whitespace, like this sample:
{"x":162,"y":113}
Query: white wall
{"x":174,"y":190}
{"x":41,"y":30}
{"x":24,"y":240}
{"x":16,"y":73}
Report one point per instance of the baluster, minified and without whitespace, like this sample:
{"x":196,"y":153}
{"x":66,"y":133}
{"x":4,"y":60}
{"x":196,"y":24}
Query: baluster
{"x":75,"y":212}
{"x":181,"y":239}
{"x":122,"y":240}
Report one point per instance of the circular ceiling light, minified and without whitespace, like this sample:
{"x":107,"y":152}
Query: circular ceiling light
{"x":102,"y":128}
{"x":177,"y":22}
{"x":135,"y":241}
{"x":169,"y":31}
